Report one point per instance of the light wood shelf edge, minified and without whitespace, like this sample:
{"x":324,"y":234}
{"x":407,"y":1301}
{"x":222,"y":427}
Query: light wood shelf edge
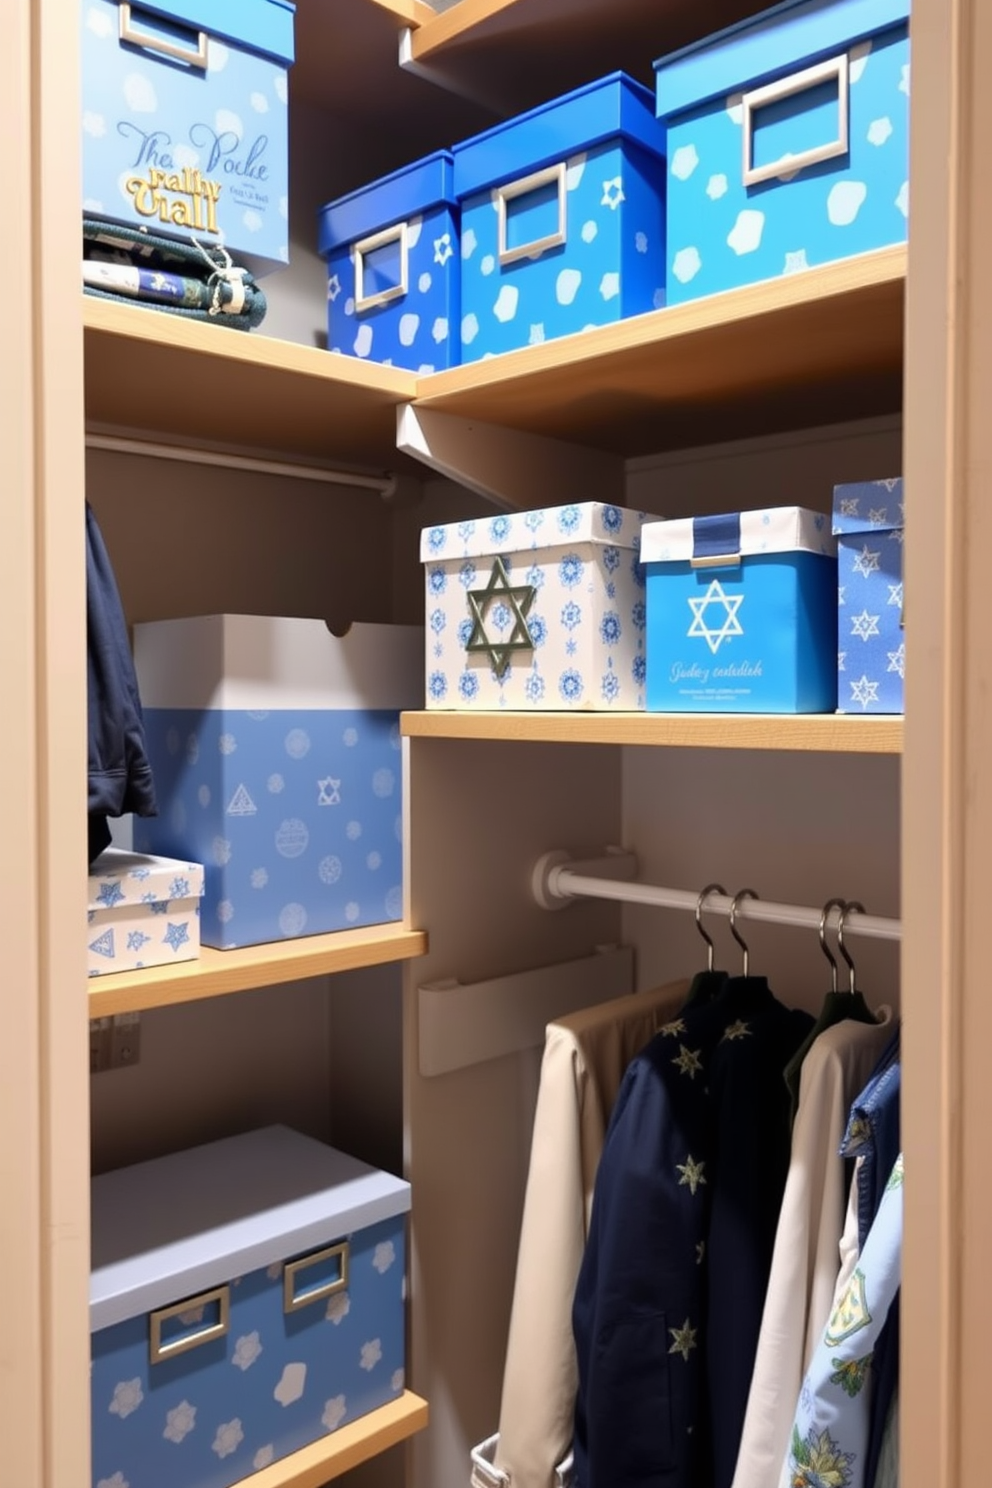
{"x":414,"y":13}
{"x":220,"y":973}
{"x":447,"y":27}
{"x":345,"y":1448}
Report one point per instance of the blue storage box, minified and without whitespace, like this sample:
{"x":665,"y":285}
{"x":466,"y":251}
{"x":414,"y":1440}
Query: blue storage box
{"x":392,"y":268}
{"x":246,"y":1299}
{"x":742,"y":613}
{"x":185,"y":120}
{"x":276,"y":752}
{"x":562,"y":218}
{"x":871,"y":656}
{"x":787,"y":141}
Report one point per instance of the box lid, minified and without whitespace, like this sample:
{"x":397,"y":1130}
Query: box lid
{"x":167,"y":1229}
{"x":868,"y":506}
{"x":614,"y":106}
{"x":553,"y":526}
{"x":782,"y":39}
{"x":777,"y":529}
{"x":264,"y":26}
{"x":406,"y":193}
{"x":117,"y":877}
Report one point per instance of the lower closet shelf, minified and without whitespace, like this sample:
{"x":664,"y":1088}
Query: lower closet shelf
{"x":345,"y":1448}
{"x":217,"y":973}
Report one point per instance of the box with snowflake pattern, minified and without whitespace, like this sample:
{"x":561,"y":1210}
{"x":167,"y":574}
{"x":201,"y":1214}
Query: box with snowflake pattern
{"x":562,"y":218}
{"x":276,"y":752}
{"x":742,"y":613}
{"x":246,"y":1299}
{"x":142,"y":911}
{"x":537,"y":609}
{"x":871,"y":651}
{"x":391,"y":250}
{"x":787,"y":142}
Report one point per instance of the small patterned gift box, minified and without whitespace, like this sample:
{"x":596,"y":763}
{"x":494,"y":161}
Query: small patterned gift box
{"x":871,"y":651}
{"x":538,"y":609}
{"x":246,"y":1299}
{"x":142,"y":911}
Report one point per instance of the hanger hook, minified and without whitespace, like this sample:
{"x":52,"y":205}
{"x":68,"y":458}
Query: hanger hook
{"x":743,"y":894}
{"x":713,"y":888}
{"x":852,"y":904}
{"x":838,"y":904}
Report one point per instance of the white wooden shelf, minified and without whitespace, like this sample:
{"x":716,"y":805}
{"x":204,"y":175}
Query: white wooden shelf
{"x":345,"y":1448}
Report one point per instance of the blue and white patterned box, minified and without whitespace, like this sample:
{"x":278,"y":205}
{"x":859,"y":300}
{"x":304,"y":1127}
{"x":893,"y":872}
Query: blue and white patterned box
{"x":742,"y":614}
{"x":246,"y":1299}
{"x":185,"y":120}
{"x":871,"y":654}
{"x":538,"y":609}
{"x":276,"y":752}
{"x":392,"y":268}
{"x":562,"y":218}
{"x":788,"y":141}
{"x":142,"y":911}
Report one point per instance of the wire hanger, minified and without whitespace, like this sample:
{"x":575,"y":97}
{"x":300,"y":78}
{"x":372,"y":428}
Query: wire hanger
{"x":741,"y":894}
{"x":840,"y":905}
{"x":713,"y":888}
{"x":706,"y":984}
{"x":856,"y":905}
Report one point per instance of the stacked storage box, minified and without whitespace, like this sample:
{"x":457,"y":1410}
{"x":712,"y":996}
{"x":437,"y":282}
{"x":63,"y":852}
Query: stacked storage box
{"x":143,"y":911}
{"x":871,"y":657}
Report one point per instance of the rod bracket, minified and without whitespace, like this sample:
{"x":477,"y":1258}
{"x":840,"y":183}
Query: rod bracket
{"x":549,"y":888}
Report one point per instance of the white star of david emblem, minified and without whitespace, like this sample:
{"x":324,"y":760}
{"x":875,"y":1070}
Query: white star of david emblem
{"x":864,"y":691}
{"x":897,"y":535}
{"x":328,"y":792}
{"x":442,"y":249}
{"x":895,"y":595}
{"x":877,"y":515}
{"x":731,"y":603}
{"x":841,"y":661}
{"x":333,"y":288}
{"x":841,"y":591}
{"x":897,"y":660}
{"x":865,"y":625}
{"x":849,"y":506}
{"x":866,"y":562}
{"x":613,"y":193}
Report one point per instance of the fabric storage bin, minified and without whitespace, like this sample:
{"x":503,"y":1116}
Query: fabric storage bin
{"x":742,"y":613}
{"x":142,"y":911}
{"x":871,"y":655}
{"x":539,"y":609}
{"x":562,"y":218}
{"x":787,"y":141}
{"x":185,"y":120}
{"x":276,"y":752}
{"x":392,"y":268}
{"x":246,"y":1299}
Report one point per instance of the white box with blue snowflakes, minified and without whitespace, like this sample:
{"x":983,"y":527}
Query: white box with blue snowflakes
{"x":276,"y":752}
{"x":538,"y":609}
{"x":742,"y":613}
{"x":562,"y":218}
{"x":787,"y":141}
{"x":142,"y":911}
{"x":184,"y":122}
{"x":871,"y":651}
{"x":246,"y":1299}
{"x":392,"y":270}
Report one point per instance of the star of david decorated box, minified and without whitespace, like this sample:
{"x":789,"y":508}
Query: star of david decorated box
{"x":538,"y":609}
{"x":871,"y":651}
{"x":742,"y":613}
{"x":276,"y":751}
{"x":787,"y":142}
{"x":562,"y":218}
{"x":392,"y":268}
{"x":246,"y":1299}
{"x":142,"y":911}
{"x":184,"y":121}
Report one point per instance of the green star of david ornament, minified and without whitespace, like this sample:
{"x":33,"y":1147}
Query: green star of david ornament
{"x":518,"y":598}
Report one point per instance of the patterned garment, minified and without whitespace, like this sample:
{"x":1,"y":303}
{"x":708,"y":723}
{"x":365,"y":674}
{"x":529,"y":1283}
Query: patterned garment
{"x":830,"y":1429}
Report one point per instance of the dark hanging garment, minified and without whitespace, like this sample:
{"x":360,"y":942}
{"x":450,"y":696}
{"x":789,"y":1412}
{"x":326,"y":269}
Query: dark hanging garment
{"x":120,"y":776}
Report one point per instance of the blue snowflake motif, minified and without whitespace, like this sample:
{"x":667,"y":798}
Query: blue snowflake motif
{"x":571,"y":647}
{"x":611,"y":559}
{"x":177,"y":935}
{"x":136,"y":939}
{"x":639,"y":615}
{"x":438,"y":651}
{"x":639,"y":670}
{"x":179,"y":888}
{"x":611,"y":590}
{"x":437,"y":581}
{"x":570,"y":570}
{"x":609,"y":628}
{"x":466,"y":575}
{"x":437,"y":686}
{"x":533,"y":520}
{"x":436,"y":539}
{"x":535,"y":576}
{"x":438,"y":621}
{"x":140,"y":873}
{"x":500,"y":616}
{"x":150,"y":898}
{"x":611,"y":687}
{"x":538,"y":629}
{"x":465,"y":628}
{"x":571,"y":615}
{"x":534,"y":688}
{"x":465,"y":530}
{"x":468,"y":686}
{"x":110,"y":894}
{"x":570,"y":685}
{"x":612,"y":518}
{"x":637,"y":571}
{"x":160,"y":907}
{"x":569,"y":518}
{"x":499,"y":529}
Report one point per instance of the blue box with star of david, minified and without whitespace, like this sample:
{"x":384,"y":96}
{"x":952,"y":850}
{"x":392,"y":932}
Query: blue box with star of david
{"x":391,"y":250}
{"x":246,"y":1299}
{"x":276,"y":751}
{"x":871,"y":650}
{"x":562,"y":218}
{"x":742,"y":613}
{"x":142,"y":911}
{"x":787,"y":142}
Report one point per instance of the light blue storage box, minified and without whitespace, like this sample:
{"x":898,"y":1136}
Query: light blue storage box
{"x":246,"y":1299}
{"x":276,"y":752}
{"x":788,"y":140}
{"x":871,"y":651}
{"x":742,"y":613}
{"x":392,"y":268}
{"x":185,"y":120}
{"x":562,"y":218}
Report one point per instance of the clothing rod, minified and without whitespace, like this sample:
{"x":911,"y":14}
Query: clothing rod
{"x":384,"y":484}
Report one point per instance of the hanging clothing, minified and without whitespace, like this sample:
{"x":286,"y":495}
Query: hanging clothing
{"x":805,"y":1262}
{"x":585,"y":1057}
{"x":887,"y":1475}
